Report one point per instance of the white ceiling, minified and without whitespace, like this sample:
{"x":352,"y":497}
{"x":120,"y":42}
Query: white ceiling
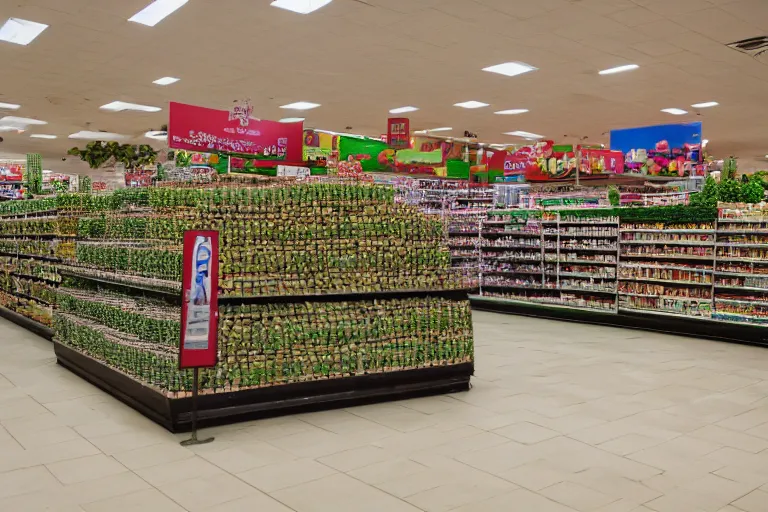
{"x":360,"y":58}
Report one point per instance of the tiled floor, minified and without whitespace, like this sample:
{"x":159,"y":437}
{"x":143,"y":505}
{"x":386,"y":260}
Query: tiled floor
{"x":562,"y":417}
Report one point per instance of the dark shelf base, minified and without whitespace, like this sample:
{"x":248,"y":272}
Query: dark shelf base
{"x":31,"y":325}
{"x":699,"y":327}
{"x":230,"y":407}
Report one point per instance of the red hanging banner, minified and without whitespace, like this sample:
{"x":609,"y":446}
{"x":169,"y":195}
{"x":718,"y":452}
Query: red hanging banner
{"x":200,"y":306}
{"x":207,"y":130}
{"x":399,"y":132}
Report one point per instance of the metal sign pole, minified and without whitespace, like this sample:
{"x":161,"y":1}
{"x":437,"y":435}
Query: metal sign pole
{"x":194,"y":440}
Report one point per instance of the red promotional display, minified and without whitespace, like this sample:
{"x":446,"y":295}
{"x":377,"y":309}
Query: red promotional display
{"x":208,"y":130}
{"x":199,"y":308}
{"x":601,"y":161}
{"x":399,"y":132}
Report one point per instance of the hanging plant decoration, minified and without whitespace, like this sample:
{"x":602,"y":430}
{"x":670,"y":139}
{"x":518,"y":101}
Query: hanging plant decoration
{"x":97,"y":154}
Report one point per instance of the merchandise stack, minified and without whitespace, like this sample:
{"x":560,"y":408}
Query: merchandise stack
{"x":741,"y":273}
{"x":328,"y":293}
{"x":29,"y":250}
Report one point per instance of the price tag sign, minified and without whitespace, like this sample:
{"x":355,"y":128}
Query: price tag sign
{"x":200,"y":309}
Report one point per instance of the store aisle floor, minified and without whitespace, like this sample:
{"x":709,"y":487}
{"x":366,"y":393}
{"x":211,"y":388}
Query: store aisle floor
{"x":562,"y":417}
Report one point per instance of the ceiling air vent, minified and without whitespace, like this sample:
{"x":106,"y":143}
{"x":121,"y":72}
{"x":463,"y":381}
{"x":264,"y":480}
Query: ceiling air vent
{"x":757,"y":47}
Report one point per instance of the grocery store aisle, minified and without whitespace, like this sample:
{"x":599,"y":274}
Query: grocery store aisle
{"x":562,"y":417}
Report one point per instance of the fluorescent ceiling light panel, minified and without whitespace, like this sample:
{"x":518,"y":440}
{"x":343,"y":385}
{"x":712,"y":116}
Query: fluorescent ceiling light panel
{"x":119,"y":106}
{"x":510,"y":68}
{"x":442,"y":129}
{"x":301,"y":105}
{"x":706,"y":104}
{"x":19,"y":31}
{"x":292,"y":120}
{"x":42,"y":136}
{"x":10,"y":106}
{"x":21,"y":121}
{"x":403,"y":110}
{"x":525,"y":135}
{"x":511,"y":112}
{"x":167,"y":80}
{"x":619,"y":69}
{"x":471,"y":104}
{"x":675,"y":111}
{"x":157,"y":11}
{"x":88,"y":135}
{"x":9,"y":128}
{"x":300,"y":6}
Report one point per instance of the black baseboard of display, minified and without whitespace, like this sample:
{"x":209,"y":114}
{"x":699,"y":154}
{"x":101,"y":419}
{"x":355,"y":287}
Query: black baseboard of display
{"x":31,"y":325}
{"x":641,"y":320}
{"x":230,"y":407}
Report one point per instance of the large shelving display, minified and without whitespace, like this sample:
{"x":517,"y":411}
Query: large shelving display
{"x":329,"y":293}
{"x":677,"y":268}
{"x":29,"y":251}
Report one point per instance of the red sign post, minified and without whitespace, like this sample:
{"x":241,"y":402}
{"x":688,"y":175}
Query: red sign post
{"x":198,"y":347}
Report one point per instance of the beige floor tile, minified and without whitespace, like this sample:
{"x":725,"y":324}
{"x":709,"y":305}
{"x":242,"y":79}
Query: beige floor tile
{"x":731,"y":438}
{"x":20,"y":408}
{"x":23,"y":481}
{"x":286,"y":474}
{"x":760,"y":431}
{"x":31,"y":439}
{"x":186,"y":469}
{"x":577,"y":496}
{"x":521,"y":500}
{"x":747,"y":420}
{"x":756,"y":501}
{"x":86,"y":468}
{"x":239,"y":458}
{"x":257,"y":502}
{"x":104,"y":488}
{"x":152,"y":456}
{"x":679,"y":500}
{"x":388,"y":470}
{"x":536,"y":475}
{"x":197,"y":494}
{"x":356,"y":458}
{"x":39,"y":501}
{"x":629,"y":443}
{"x":619,"y":487}
{"x":340,"y":493}
{"x":721,"y":491}
{"x":131,"y":440}
{"x":451,"y":496}
{"x":140,"y":501}
{"x":526,"y":433}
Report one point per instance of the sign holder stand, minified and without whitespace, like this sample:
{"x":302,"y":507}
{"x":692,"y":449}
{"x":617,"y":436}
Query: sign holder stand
{"x":192,"y":441}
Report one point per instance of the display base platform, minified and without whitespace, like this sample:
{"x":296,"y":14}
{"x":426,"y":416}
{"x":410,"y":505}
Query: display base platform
{"x":648,"y":321}
{"x":31,"y":325}
{"x":230,"y":407}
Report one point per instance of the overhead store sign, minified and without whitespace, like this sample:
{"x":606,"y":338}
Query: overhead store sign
{"x":200,"y":306}
{"x":208,"y":130}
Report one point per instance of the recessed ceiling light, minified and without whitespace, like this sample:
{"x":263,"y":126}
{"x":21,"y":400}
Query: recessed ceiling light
{"x":511,"y":112}
{"x":21,"y":121}
{"x":19,"y":31}
{"x":510,"y":68}
{"x":301,"y":105}
{"x":300,"y":6}
{"x":157,"y":135}
{"x":168,"y":80}
{"x":403,"y":110}
{"x":675,"y":111}
{"x":42,"y":136}
{"x":619,"y":69}
{"x":706,"y":104}
{"x":525,"y":135}
{"x":471,"y":104}
{"x":10,"y":106}
{"x":291,"y":120}
{"x":119,"y":106}
{"x":157,"y":11}
{"x":88,"y":135}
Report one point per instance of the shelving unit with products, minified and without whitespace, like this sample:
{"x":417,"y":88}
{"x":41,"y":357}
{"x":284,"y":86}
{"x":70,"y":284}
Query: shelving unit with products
{"x":328,"y":294}
{"x":667,"y":267}
{"x":31,"y":243}
{"x":741,"y":273}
